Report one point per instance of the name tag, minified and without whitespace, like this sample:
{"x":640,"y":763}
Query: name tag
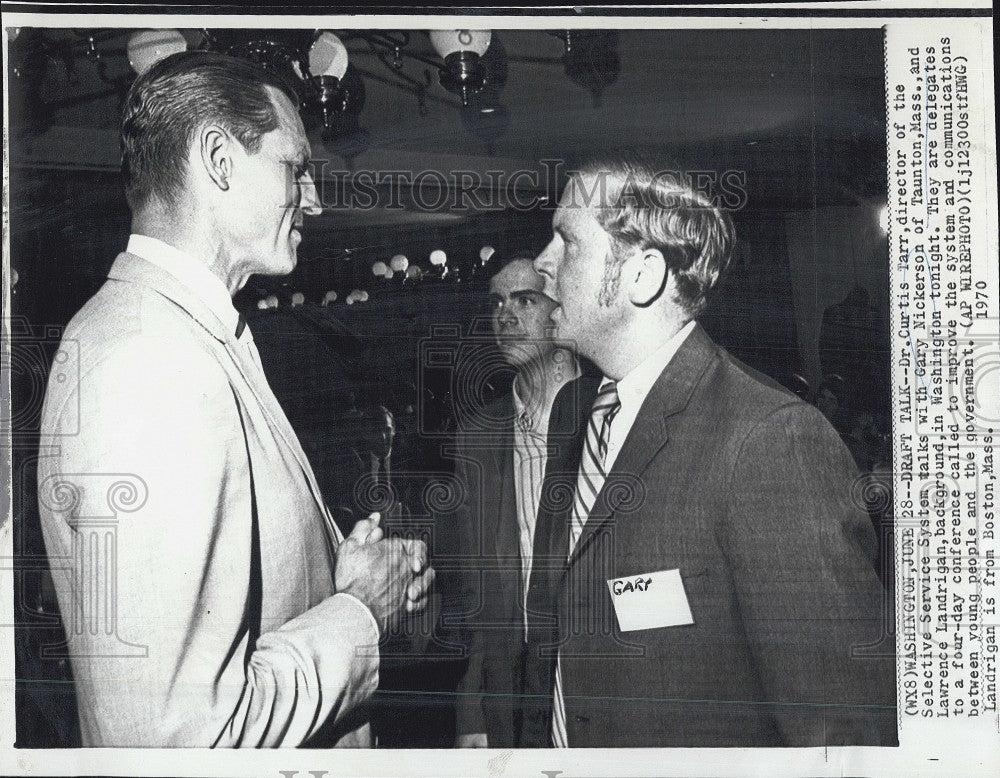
{"x":650,"y":600}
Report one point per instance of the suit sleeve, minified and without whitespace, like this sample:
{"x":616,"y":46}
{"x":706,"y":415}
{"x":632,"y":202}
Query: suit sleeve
{"x":469,"y":717}
{"x":188,"y":663}
{"x":813,"y":610}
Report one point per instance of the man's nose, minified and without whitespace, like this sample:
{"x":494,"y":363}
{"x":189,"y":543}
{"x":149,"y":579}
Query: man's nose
{"x":505,"y":316}
{"x":545,"y":266}
{"x":309,"y":203}
{"x":544,"y":263}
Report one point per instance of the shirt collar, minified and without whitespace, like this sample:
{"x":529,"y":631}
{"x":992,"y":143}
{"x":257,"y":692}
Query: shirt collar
{"x":633,"y":387}
{"x":535,"y":418}
{"x":189,"y":271}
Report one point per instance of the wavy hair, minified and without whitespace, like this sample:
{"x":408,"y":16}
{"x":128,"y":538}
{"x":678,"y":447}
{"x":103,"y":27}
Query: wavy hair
{"x":167,"y":106}
{"x":642,"y":206}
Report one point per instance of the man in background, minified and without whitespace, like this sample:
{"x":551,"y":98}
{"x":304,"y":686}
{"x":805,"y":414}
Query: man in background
{"x":711,"y":583}
{"x":209,"y":598}
{"x":502,"y":458}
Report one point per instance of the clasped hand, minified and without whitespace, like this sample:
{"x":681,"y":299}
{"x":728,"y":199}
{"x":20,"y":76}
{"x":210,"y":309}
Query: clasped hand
{"x":387,"y":574}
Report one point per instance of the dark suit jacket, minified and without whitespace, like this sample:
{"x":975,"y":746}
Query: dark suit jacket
{"x":746,"y":491}
{"x":492,"y":616}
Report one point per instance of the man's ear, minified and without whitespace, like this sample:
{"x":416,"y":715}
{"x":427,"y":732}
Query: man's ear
{"x":215,"y":145}
{"x":647,"y":276}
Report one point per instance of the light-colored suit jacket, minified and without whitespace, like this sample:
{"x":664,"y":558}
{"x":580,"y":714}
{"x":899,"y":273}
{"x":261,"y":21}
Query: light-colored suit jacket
{"x":191,"y":550}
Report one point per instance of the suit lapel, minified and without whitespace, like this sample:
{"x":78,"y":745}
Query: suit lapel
{"x":275,"y":414}
{"x":507,"y":543}
{"x":567,"y":427}
{"x":650,"y":432}
{"x":567,"y":430}
{"x":134,"y":269}
{"x":503,"y":495}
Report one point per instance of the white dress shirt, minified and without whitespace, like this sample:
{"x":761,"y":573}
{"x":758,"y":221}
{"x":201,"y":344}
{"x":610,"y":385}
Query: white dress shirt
{"x":531,"y":425}
{"x":189,"y":271}
{"x":196,"y":276}
{"x":633,"y":389}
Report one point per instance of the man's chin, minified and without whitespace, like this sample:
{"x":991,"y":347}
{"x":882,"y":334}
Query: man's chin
{"x":559,"y":335}
{"x":526,"y":354}
{"x":515,"y":354}
{"x":510,"y":352}
{"x":288,"y":263}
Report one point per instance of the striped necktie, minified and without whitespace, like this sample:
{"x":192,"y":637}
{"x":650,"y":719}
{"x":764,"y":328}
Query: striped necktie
{"x":592,"y":474}
{"x":589,"y":482}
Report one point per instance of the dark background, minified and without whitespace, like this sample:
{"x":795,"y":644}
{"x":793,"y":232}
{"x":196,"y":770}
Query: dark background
{"x":799,"y":113}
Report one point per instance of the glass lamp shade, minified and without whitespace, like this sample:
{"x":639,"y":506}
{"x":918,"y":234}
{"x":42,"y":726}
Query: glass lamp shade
{"x":446,"y":42}
{"x":147,"y":47}
{"x":328,"y":56}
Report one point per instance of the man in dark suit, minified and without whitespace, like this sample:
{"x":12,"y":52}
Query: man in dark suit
{"x":501,"y":462}
{"x":709,"y":582}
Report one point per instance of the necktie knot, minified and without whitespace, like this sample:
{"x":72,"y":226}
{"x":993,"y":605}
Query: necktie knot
{"x":606,"y":404}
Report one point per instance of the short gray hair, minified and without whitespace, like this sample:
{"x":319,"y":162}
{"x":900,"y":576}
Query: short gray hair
{"x":169,"y":103}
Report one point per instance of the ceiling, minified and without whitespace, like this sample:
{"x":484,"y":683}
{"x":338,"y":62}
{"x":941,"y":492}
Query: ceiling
{"x":801,"y":112}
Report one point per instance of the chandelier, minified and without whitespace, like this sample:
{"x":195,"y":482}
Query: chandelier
{"x":470,"y":65}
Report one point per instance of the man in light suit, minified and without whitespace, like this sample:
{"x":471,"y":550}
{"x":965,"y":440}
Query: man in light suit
{"x":208,"y":597}
{"x":501,"y":462}
{"x":709,"y":582}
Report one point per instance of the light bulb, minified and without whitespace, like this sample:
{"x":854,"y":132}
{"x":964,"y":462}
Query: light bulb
{"x":438,"y":257}
{"x":328,"y":56}
{"x":399,"y":263}
{"x":298,"y":299}
{"x":447,"y":42}
{"x":329,"y":297}
{"x":147,"y":47}
{"x":379,"y":268}
{"x":485,"y":253}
